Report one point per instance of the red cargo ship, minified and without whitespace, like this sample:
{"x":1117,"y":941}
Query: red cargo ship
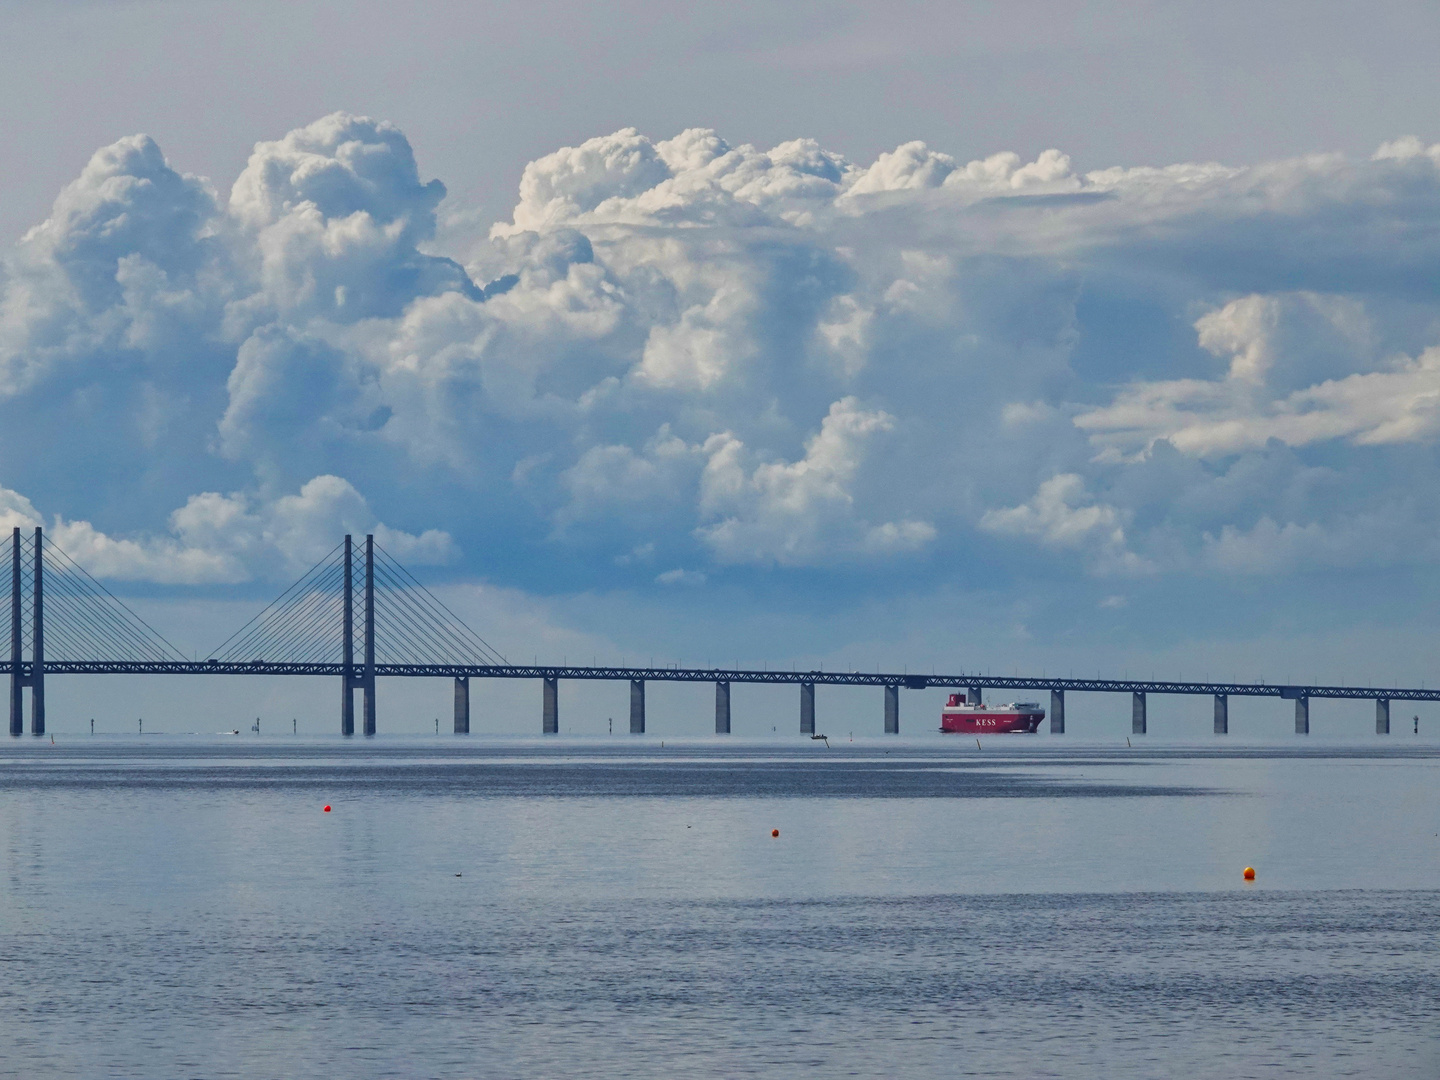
{"x":958,"y":718}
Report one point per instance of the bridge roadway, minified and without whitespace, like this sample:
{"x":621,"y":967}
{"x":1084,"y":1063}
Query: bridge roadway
{"x":972,"y":683}
{"x":909,"y":681}
{"x":89,"y":621}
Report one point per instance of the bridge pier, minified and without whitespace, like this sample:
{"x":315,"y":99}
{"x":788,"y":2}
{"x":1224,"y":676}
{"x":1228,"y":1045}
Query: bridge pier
{"x":35,"y":677}
{"x":363,"y":679}
{"x":369,"y":673}
{"x":37,"y":642}
{"x":17,"y":680}
{"x":462,"y":705}
{"x":426,"y":640}
{"x":550,"y":708}
{"x":637,"y":706}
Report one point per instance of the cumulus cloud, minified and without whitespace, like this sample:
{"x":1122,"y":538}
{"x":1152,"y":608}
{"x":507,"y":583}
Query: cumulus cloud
{"x":609,"y":477}
{"x":788,"y":512}
{"x":914,"y":165}
{"x":1278,"y":349}
{"x":680,"y":576}
{"x":723,"y":355}
{"x":1062,"y":514}
{"x":1371,"y":538}
{"x":576,"y":180}
{"x":217,"y":538}
{"x":119,"y":269}
{"x":333,"y":215}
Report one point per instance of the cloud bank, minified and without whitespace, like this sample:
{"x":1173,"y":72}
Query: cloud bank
{"x":683,"y":353}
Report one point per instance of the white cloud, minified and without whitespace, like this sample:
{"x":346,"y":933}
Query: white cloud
{"x":1062,"y":514}
{"x":1254,"y":402}
{"x":231,"y":538}
{"x":1023,"y":414}
{"x":1405,"y":148}
{"x":641,"y":354}
{"x":333,"y":214}
{"x":706,"y":343}
{"x":611,"y":476}
{"x":639,"y":554}
{"x":121,"y":265}
{"x":791,"y":513}
{"x":911,"y":165}
{"x":576,"y":180}
{"x":681,"y":577}
{"x":914,"y":166}
{"x":1366,"y":539}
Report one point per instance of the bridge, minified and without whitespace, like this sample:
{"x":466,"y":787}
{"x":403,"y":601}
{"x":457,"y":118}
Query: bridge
{"x":359,"y":623}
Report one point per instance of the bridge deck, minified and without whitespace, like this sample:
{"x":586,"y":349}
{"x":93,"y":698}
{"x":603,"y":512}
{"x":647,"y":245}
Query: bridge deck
{"x":677,"y":674}
{"x":357,"y":623}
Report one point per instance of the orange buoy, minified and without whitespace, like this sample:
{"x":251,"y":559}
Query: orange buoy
{"x":327,"y":808}
{"x":1249,"y":873}
{"x":774,"y":832}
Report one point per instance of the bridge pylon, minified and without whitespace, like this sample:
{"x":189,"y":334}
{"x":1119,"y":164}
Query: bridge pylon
{"x":361,"y":677}
{"x":23,"y":674}
{"x":329,"y":623}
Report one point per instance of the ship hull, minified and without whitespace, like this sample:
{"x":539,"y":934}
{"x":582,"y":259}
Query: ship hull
{"x":979,"y":722}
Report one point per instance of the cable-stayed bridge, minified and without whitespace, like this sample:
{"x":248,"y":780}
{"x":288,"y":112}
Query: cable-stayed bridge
{"x":358,"y":615}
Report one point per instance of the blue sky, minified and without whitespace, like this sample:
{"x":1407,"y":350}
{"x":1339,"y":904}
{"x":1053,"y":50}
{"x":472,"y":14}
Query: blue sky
{"x":1027,"y":349}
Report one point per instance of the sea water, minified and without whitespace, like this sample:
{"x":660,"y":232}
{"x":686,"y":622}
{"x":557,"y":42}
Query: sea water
{"x":184,"y":907}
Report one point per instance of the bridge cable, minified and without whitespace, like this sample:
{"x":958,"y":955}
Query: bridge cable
{"x":457,"y":627}
{"x":422,"y":630}
{"x":263,"y":636}
{"x":294,"y":625}
{"x":258,"y":628}
{"x":411,"y":622}
{"x":105,"y":618}
{"x":89,"y":618}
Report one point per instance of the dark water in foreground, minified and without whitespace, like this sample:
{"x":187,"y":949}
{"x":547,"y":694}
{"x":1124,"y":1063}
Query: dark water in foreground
{"x":173,"y":907}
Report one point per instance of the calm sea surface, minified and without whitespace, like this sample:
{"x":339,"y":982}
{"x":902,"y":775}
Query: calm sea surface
{"x":182,"y":907}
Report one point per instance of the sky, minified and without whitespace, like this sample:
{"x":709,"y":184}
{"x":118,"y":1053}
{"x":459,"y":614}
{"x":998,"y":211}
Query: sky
{"x":1093,"y":338}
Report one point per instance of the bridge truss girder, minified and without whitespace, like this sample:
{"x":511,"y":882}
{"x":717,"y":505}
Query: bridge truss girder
{"x":677,"y":674}
{"x":411,"y":613}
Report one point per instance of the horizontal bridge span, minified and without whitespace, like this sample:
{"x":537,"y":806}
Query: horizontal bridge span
{"x":357,"y":614}
{"x":675,"y":674}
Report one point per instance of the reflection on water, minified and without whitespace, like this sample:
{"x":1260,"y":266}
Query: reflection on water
{"x":475,"y":908}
